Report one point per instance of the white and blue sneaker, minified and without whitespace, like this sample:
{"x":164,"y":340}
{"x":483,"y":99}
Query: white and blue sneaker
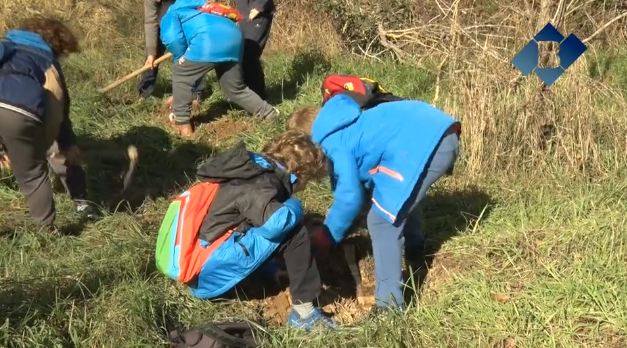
{"x":315,"y":319}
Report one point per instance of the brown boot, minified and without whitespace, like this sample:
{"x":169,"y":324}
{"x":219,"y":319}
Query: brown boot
{"x":185,"y":130}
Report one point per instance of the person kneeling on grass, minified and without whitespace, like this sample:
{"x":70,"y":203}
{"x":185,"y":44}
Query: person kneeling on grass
{"x":395,"y":150}
{"x":250,"y":215}
{"x":200,"y":40}
{"x":35,"y":126}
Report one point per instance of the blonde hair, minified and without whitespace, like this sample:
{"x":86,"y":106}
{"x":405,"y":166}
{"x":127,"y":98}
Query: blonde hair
{"x":56,"y":34}
{"x":303,"y":119}
{"x":299,"y":154}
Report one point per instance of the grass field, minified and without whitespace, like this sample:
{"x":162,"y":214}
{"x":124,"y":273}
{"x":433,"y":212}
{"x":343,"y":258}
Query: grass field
{"x":530,"y":245}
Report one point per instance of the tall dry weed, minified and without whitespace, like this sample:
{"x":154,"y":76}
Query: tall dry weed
{"x":514,"y":123}
{"x":98,"y":24}
{"x":299,"y":26}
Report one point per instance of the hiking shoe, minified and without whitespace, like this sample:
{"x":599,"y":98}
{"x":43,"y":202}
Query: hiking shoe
{"x":87,"y":211}
{"x":315,"y":319}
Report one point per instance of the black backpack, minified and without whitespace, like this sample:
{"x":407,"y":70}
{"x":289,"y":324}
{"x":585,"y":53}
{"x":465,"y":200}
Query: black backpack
{"x":225,"y":335}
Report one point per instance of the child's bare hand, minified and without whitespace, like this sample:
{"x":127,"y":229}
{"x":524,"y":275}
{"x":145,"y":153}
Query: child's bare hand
{"x":5,"y":163}
{"x":150,"y":62}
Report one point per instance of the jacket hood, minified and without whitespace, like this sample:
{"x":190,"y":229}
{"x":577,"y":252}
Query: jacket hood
{"x":28,"y":38}
{"x":337,"y":113}
{"x":238,"y":163}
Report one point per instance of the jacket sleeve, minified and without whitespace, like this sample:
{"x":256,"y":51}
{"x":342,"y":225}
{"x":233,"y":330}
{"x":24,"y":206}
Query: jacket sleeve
{"x":348,"y":194}
{"x":151,"y":26}
{"x":58,"y":105}
{"x":66,"y":136}
{"x":272,"y":218}
{"x":172,"y":34}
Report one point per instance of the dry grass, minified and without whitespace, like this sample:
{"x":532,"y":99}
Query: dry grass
{"x":511,"y":122}
{"x":299,"y":26}
{"x":523,"y":260}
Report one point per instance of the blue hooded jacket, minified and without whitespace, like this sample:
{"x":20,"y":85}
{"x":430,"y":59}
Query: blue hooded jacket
{"x":384,"y":149}
{"x":198,"y":36}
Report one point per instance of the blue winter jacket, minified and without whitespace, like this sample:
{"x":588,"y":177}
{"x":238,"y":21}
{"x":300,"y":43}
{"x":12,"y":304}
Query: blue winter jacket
{"x":32,"y":82}
{"x":384,"y":149}
{"x":198,"y":36}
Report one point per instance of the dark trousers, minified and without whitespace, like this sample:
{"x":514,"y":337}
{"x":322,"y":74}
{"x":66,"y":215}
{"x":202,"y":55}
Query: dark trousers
{"x":186,"y":74}
{"x":256,"y":34}
{"x":24,"y":140}
{"x":302,"y":269}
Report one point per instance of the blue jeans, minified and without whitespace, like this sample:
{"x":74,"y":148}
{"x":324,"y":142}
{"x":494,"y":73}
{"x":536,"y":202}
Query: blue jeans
{"x":388,"y":240}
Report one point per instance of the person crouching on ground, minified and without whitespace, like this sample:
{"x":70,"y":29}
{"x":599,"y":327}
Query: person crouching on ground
{"x":395,"y":151}
{"x":255,"y":197}
{"x":201,"y":41}
{"x":35,"y":125}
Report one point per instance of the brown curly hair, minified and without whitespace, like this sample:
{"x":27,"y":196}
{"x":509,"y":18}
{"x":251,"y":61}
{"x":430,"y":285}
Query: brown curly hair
{"x":299,"y":154}
{"x":58,"y":36}
{"x":303,"y":119}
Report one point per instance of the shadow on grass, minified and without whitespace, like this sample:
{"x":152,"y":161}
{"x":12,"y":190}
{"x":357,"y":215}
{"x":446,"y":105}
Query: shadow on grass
{"x":303,"y":65}
{"x":215,"y":111}
{"x":25,"y":302}
{"x":445,"y":214}
{"x":163,"y":166}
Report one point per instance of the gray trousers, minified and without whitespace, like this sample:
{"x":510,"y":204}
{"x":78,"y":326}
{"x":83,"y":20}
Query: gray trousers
{"x":29,"y":153}
{"x":186,"y":74}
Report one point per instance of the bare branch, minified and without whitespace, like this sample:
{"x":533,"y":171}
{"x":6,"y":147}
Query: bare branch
{"x":623,"y":15}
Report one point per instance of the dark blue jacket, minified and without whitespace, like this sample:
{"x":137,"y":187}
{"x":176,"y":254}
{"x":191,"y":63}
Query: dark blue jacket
{"x":32,"y":83}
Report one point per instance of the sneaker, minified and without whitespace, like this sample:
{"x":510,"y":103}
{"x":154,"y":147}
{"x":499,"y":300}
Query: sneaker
{"x":87,"y":211}
{"x":315,"y":319}
{"x":271,"y":115}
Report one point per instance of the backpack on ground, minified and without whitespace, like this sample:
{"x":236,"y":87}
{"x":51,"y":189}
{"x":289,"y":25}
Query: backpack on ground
{"x":180,"y":253}
{"x":366,"y":92}
{"x":236,"y":335}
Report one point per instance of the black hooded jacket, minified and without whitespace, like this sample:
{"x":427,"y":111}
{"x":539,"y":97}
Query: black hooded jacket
{"x":252,"y":188}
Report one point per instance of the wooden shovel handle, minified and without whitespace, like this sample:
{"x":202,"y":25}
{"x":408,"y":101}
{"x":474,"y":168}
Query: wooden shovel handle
{"x":135,"y":73}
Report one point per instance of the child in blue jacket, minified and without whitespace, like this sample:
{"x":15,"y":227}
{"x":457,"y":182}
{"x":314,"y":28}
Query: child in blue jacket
{"x":255,"y":199}
{"x":394,"y":151}
{"x":35,"y":125}
{"x":200,"y":42}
